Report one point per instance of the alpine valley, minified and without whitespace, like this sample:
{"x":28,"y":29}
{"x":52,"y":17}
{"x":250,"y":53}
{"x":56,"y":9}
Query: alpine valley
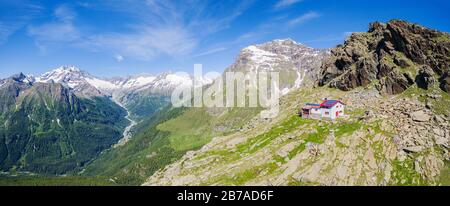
{"x":67,"y":127}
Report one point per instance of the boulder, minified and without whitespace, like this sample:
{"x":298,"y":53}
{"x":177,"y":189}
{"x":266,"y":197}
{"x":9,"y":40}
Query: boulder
{"x":445,"y":82}
{"x":425,"y":78}
{"x":420,"y":116}
{"x":395,"y":83}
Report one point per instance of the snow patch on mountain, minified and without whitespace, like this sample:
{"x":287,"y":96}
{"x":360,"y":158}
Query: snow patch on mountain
{"x":29,"y":79}
{"x":272,"y":54}
{"x":137,"y":81}
{"x":260,"y":56}
{"x":299,"y":80}
{"x":102,"y":84}
{"x":173,"y":79}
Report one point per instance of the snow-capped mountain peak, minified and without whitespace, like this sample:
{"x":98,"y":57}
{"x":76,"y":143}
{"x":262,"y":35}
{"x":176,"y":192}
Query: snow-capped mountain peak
{"x":63,"y":74}
{"x":292,"y":60}
{"x":83,"y":82}
{"x":68,"y":68}
{"x":271,"y":54}
{"x":286,"y":41}
{"x":78,"y":80}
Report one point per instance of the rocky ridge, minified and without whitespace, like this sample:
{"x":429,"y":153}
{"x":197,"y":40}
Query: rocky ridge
{"x":397,"y":55}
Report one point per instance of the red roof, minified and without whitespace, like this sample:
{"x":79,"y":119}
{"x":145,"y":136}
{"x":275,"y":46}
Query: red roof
{"x":330,"y":103}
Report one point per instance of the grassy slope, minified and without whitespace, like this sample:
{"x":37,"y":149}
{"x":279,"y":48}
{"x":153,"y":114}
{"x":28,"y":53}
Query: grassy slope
{"x":445,"y":174}
{"x":257,"y":159}
{"x":189,"y":131}
{"x":169,"y":135}
{"x":146,"y":152}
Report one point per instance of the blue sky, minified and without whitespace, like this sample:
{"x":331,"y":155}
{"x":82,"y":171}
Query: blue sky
{"x":126,"y":37}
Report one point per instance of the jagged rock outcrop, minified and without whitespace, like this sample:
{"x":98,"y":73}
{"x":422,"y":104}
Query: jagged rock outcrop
{"x":445,"y":82}
{"x":10,"y":89}
{"x":397,"y":55}
{"x":425,"y":79}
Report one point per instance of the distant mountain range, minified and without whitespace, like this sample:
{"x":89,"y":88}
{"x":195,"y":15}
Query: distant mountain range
{"x":88,"y":85}
{"x":67,"y":116}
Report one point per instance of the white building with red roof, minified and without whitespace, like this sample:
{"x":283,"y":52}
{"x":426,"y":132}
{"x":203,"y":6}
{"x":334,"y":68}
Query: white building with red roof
{"x":329,"y":109}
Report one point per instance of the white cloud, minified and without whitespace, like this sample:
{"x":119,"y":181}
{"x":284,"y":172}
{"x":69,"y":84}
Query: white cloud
{"x":61,"y":30}
{"x":84,"y":4}
{"x":16,"y":16}
{"x":6,"y":31}
{"x":247,"y":35}
{"x":254,"y":36}
{"x":211,"y":51}
{"x":163,"y":27}
{"x":146,"y":44}
{"x":64,"y":13}
{"x":198,"y":16}
{"x":119,"y":58}
{"x":54,"y":32}
{"x":286,"y":3}
{"x":304,"y":18}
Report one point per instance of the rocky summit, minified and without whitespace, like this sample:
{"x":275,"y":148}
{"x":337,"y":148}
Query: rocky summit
{"x":298,"y":65}
{"x":394,"y":56}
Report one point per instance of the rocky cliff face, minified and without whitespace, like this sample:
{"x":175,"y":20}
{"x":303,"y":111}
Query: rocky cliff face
{"x":10,"y":89}
{"x":395,"y":56}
